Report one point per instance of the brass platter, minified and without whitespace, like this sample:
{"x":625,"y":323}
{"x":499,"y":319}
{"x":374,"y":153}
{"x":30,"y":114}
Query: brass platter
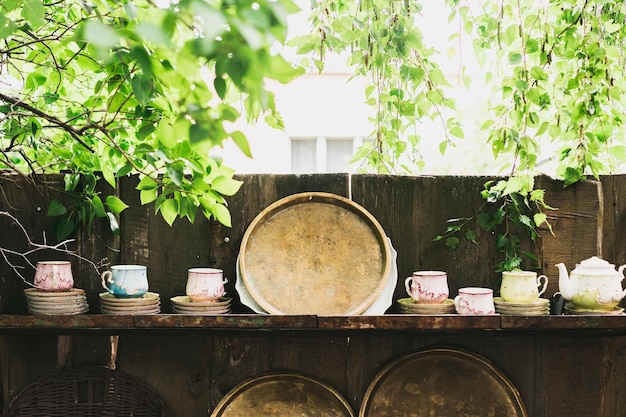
{"x":283,"y":395}
{"x":441,"y":382}
{"x":315,"y":253}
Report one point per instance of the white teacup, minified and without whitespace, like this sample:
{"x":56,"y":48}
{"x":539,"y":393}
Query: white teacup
{"x":428,"y":287}
{"x":522,"y":286}
{"x":205,"y":284}
{"x":53,"y":276}
{"x":474,"y":301}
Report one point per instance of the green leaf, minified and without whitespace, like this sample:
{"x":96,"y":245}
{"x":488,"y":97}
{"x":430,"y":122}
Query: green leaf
{"x":226,"y":186}
{"x":142,"y":88}
{"x":176,"y":173}
{"x":470,"y":235}
{"x":539,"y":219}
{"x":515,"y":58}
{"x":502,"y":241}
{"x":221,"y":214}
{"x":100,"y":35}
{"x":242,"y":142}
{"x":98,"y":207}
{"x":64,"y":227}
{"x":7,"y":27}
{"x":33,"y":13}
{"x":147,"y":183}
{"x":148,"y":196}
{"x":56,"y":208}
{"x":115,"y":204}
{"x":572,"y":175}
{"x":169,"y":210}
{"x":452,"y":242}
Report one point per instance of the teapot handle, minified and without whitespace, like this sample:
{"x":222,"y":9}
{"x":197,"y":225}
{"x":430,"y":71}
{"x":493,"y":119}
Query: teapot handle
{"x":620,"y":270}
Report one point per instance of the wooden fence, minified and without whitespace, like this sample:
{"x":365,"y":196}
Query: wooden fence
{"x":573,"y":374}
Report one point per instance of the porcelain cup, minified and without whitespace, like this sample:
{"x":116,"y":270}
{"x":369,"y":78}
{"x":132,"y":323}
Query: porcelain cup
{"x":205,"y":284}
{"x":474,"y":301}
{"x":126,"y":281}
{"x":522,"y":286}
{"x":53,"y":276}
{"x":428,"y":287}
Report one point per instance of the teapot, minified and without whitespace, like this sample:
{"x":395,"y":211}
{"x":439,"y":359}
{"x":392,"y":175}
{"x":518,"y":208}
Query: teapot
{"x":594,"y":284}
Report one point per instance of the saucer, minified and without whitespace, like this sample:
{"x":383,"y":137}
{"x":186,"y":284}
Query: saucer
{"x":409,"y":306}
{"x":69,"y":302}
{"x":538,"y":302}
{"x":571,"y":309}
{"x":183,"y":305}
{"x":149,"y":303}
{"x":539,"y":307}
{"x":183,"y":300}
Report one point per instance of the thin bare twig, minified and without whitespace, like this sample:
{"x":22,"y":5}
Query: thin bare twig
{"x":61,"y":247}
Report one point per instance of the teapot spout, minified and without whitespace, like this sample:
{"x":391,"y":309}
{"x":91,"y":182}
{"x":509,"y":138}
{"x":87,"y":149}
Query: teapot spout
{"x":565,"y":285}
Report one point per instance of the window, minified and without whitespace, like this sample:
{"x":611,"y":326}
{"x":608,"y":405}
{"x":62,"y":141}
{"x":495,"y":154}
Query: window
{"x":320,"y":155}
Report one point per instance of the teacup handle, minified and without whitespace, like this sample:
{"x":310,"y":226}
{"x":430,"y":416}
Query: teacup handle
{"x":225,"y":281}
{"x":457,"y":303}
{"x":106,"y":277}
{"x":407,"y":285}
{"x":542,"y":281}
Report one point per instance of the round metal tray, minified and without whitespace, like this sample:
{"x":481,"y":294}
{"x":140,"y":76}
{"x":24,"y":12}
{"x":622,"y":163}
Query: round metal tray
{"x":284,"y":395}
{"x":441,"y":382}
{"x":315,"y":253}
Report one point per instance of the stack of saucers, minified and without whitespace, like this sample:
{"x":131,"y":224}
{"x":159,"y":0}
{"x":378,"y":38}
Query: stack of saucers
{"x":69,"y":302}
{"x":149,"y":303}
{"x":539,"y":307}
{"x":409,"y":306}
{"x":183,"y":305}
{"x":571,"y":309}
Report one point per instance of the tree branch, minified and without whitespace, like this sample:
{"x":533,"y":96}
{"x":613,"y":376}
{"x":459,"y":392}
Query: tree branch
{"x":54,"y":120}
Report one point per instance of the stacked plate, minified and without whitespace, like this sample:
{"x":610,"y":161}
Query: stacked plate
{"x":409,"y":306}
{"x":571,"y":309}
{"x":149,"y":303}
{"x":183,"y":305}
{"x":539,"y":307}
{"x":69,"y":302}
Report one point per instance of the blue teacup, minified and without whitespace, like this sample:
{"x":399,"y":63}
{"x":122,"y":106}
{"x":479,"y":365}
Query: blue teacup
{"x":126,"y":281}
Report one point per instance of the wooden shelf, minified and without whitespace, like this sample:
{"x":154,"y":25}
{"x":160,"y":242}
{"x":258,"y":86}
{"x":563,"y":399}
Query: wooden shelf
{"x":606,"y":324}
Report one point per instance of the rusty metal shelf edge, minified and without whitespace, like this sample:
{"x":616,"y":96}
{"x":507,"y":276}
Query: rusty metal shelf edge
{"x":254,"y":322}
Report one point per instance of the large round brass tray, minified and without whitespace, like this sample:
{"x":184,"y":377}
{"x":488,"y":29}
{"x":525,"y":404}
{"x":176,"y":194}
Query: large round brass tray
{"x":283,"y":395}
{"x":441,"y":382}
{"x":315,"y":253}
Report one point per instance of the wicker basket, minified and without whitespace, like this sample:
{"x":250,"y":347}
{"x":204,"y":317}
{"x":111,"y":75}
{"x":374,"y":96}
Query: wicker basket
{"x":86,"y":391}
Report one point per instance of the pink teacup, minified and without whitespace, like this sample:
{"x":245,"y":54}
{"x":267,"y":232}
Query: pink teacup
{"x":428,"y":287}
{"x":54,"y":276}
{"x":474,"y":301}
{"x":205,"y":284}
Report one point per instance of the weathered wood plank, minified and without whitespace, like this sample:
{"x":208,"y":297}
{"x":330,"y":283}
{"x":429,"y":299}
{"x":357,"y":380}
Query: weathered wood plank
{"x":614,"y":216}
{"x":576,"y":223}
{"x":415,"y":210}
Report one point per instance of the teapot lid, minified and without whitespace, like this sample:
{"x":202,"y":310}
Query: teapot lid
{"x":594,"y":264}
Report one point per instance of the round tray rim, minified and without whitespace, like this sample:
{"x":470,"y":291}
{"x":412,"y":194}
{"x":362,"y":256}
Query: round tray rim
{"x":319,"y":197}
